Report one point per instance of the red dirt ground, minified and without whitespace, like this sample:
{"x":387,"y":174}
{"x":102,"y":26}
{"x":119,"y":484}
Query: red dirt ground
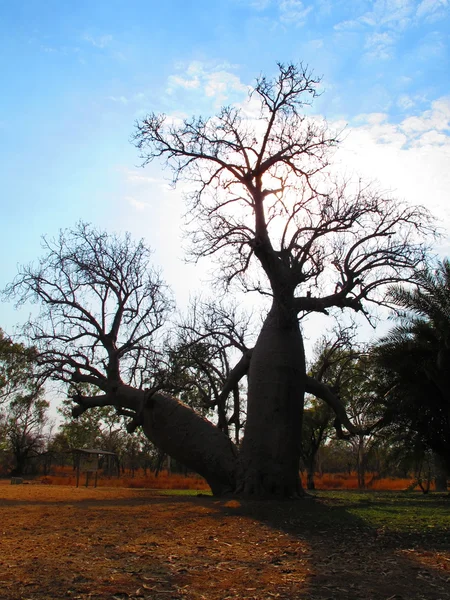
{"x":91,"y":544}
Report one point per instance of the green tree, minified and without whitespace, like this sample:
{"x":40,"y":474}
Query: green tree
{"x":16,"y":368}
{"x":25,"y":428}
{"x":23,"y":411}
{"x":415,"y":357}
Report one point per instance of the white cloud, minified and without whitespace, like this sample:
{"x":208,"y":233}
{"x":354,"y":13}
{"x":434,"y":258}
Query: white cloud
{"x":379,"y":45}
{"x":435,"y":119}
{"x":220,"y":83}
{"x":395,"y":16}
{"x":259,"y":4}
{"x":213,"y":80}
{"x":100,"y":41}
{"x":410,"y":158}
{"x":405,"y":102}
{"x":175,"y":81}
{"x":293,"y":11}
{"x":431,"y":10}
{"x":119,"y":99}
{"x":138,"y":205}
{"x":316,"y":44}
{"x":138,"y":177}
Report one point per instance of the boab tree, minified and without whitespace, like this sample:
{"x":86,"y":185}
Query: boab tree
{"x":262,"y":201}
{"x":100,"y":331}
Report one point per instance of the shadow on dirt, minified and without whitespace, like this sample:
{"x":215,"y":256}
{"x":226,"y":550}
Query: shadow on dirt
{"x":353,"y":560}
{"x":151,"y":546}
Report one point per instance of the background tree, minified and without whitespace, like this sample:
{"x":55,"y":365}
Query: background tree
{"x":415,"y":357}
{"x":100,"y":328}
{"x":25,"y":429}
{"x":23,"y":411}
{"x":262,"y":201}
{"x":332,"y":353}
{"x":317,"y":427}
{"x":209,"y":341}
{"x":16,"y":369}
{"x":361,"y":394}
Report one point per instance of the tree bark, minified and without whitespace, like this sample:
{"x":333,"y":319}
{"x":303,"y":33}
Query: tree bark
{"x":181,"y":433}
{"x":270,"y":451}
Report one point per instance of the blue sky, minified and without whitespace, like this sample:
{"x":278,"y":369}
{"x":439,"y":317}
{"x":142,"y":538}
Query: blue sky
{"x":76,"y":76}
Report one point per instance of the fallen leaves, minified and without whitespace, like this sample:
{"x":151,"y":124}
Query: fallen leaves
{"x":119,"y":544}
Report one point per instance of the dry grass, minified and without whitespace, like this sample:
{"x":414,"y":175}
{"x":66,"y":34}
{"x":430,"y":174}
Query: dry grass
{"x":174,"y":481}
{"x":345,"y":481}
{"x":164,"y":481}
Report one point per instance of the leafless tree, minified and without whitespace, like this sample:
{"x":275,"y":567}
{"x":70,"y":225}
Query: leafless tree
{"x":100,"y":327}
{"x":264,"y":203}
{"x":210,"y":339}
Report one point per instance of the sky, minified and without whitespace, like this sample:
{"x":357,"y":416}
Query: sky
{"x":77,"y":75}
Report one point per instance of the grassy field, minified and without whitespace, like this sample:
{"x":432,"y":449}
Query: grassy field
{"x":119,"y":543}
{"x":396,"y":512}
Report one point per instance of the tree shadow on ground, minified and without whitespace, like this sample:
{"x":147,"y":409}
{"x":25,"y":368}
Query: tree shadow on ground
{"x":148,"y":546}
{"x":352,"y":559}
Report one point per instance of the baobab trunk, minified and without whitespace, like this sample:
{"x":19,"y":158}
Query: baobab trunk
{"x":184,"y":435}
{"x":270,"y":452}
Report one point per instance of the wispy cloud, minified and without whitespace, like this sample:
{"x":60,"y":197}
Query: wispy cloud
{"x":294,"y":11}
{"x":100,"y":41}
{"x":213,"y":80}
{"x":387,"y":20}
{"x":397,"y":14}
{"x":431,"y":10}
{"x":411,"y":157}
{"x":138,"y":205}
{"x":405,"y":102}
{"x":119,"y":99}
{"x":379,"y":45}
{"x":431,"y":127}
{"x":259,"y":4}
{"x":175,"y":81}
{"x":137,"y":177}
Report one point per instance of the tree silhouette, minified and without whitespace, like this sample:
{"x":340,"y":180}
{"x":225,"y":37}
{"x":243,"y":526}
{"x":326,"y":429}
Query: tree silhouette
{"x":262,"y":201}
{"x":415,"y":356}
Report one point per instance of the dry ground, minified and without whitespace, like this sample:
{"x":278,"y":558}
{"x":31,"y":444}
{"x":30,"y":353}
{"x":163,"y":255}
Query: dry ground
{"x":64,"y":542}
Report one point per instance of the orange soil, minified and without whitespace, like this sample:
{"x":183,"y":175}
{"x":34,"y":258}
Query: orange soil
{"x":91,"y":544}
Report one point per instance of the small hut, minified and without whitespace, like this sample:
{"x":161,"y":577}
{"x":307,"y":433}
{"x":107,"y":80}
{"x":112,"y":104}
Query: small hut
{"x":91,"y":460}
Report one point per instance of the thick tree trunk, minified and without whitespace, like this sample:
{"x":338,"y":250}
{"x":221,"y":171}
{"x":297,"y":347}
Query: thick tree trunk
{"x":270,"y":451}
{"x":195,"y":442}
